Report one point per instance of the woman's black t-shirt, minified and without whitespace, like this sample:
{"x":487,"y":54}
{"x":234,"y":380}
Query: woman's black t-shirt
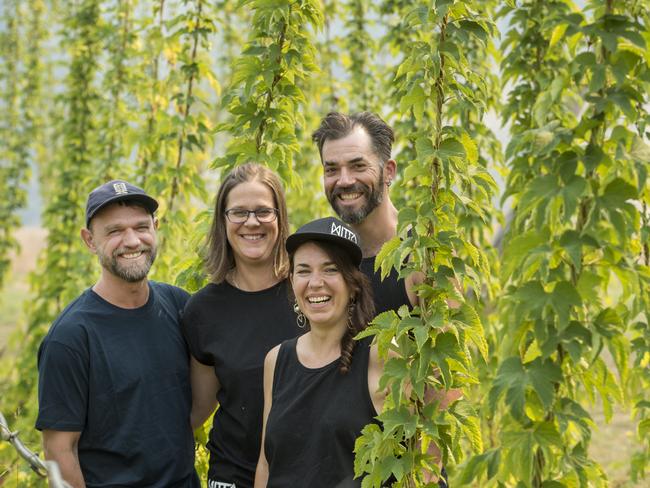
{"x":232,"y":330}
{"x":315,"y":418}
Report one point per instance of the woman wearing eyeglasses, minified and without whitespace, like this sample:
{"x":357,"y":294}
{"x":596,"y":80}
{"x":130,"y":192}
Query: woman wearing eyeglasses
{"x":235,"y":320}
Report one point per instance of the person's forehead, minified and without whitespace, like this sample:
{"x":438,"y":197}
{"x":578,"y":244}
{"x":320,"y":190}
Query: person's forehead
{"x":357,"y":143}
{"x":309,"y":253}
{"x":250,"y":192}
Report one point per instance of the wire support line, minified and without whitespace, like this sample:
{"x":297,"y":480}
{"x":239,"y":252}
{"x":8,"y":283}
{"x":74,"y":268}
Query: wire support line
{"x":49,"y":469}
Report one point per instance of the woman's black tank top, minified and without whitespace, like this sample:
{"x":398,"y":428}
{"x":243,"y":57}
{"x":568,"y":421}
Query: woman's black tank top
{"x":315,"y":417}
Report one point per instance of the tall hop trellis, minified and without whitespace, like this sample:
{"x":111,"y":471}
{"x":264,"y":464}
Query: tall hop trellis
{"x":171,"y":93}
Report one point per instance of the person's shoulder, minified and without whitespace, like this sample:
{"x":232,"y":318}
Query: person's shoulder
{"x":209,"y":293}
{"x":71,"y":323}
{"x":366,"y":341}
{"x":284,"y":284}
{"x":210,"y":290}
{"x":271,"y":357}
{"x":178,"y":295}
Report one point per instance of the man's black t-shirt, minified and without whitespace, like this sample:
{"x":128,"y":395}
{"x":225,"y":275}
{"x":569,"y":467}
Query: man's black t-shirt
{"x":390,"y":293}
{"x":232,"y":330}
{"x":121,"y":378}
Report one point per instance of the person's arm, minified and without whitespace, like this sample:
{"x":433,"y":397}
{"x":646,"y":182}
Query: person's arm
{"x":63,"y":402}
{"x":262,"y":471}
{"x":62,"y":447}
{"x":417,"y":278}
{"x":432,"y":395}
{"x":375,"y":371}
{"x":205,"y":386}
{"x":411,"y":281}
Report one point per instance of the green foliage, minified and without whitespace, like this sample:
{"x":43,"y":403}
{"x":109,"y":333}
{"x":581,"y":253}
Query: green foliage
{"x":14,"y":163}
{"x":534,"y":324}
{"x":265,"y":97}
{"x":437,"y":344}
{"x":575,"y":106}
{"x":115,"y":111}
{"x":358,"y":48}
{"x":66,"y":265}
{"x":187,"y":139}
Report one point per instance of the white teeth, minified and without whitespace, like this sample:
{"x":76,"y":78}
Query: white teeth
{"x":255,"y":237}
{"x":132,"y":255}
{"x":349,"y":196}
{"x":318,"y":299}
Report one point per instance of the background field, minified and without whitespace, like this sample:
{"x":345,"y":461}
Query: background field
{"x":15,"y":294}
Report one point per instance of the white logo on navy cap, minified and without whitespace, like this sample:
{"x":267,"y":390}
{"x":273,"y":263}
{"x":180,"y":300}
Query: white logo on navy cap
{"x":120,"y":188}
{"x":341,"y":231}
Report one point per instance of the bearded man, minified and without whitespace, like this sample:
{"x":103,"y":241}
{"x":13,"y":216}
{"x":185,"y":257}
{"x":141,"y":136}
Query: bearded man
{"x":357,"y":173}
{"x":114,"y":388}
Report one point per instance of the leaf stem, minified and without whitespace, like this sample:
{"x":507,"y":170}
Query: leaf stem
{"x":276,"y":79}
{"x":186,"y":110}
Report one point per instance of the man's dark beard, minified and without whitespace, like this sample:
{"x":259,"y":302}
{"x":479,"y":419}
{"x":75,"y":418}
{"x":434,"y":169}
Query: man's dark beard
{"x":129,"y":274}
{"x":374,"y":196}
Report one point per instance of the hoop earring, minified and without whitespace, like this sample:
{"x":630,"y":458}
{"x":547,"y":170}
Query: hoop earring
{"x":301,"y":320}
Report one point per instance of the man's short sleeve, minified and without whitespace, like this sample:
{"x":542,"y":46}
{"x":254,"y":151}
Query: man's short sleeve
{"x":62,"y":388}
{"x":194,"y":332}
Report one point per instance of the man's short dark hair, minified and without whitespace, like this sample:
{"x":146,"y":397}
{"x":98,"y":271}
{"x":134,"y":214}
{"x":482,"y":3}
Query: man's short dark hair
{"x":336,"y":125}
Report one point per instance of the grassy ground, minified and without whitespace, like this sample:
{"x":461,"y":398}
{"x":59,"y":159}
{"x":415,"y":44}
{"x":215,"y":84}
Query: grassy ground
{"x":612,"y":443}
{"x":612,"y":446}
{"x":16,"y":288}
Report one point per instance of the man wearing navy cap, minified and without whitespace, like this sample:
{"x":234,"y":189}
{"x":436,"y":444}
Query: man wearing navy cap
{"x":114,"y":390}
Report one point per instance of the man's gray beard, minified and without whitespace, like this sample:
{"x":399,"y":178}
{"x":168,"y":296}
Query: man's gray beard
{"x":374,"y":197}
{"x":130,"y":274}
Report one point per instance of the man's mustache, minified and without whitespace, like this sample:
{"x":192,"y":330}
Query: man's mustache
{"x":357,"y":187}
{"x":120,"y":251}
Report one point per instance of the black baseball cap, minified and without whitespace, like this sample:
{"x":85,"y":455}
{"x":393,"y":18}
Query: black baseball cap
{"x":329,"y":229}
{"x":117,"y":191}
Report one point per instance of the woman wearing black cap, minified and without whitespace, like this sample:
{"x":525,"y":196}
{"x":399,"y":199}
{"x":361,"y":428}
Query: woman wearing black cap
{"x":232,"y":323}
{"x":321,"y":388}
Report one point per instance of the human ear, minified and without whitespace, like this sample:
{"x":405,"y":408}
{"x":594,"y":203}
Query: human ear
{"x":390,"y":170}
{"x":87,"y":237}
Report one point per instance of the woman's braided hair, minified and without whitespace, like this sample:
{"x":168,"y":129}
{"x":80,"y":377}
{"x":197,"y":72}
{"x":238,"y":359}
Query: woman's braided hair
{"x":361,"y":309}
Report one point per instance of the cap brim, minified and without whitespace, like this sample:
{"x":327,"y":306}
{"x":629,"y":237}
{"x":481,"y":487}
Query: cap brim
{"x":294,"y":241}
{"x":147,"y":202}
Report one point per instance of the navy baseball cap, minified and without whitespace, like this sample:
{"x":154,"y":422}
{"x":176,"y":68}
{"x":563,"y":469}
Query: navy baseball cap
{"x":328,"y":229}
{"x":116,"y":191}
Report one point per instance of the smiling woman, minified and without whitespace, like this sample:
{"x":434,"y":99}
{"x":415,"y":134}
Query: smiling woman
{"x":252,"y":230}
{"x":321,"y":389}
{"x":233,"y":322}
{"x":321,"y":292}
